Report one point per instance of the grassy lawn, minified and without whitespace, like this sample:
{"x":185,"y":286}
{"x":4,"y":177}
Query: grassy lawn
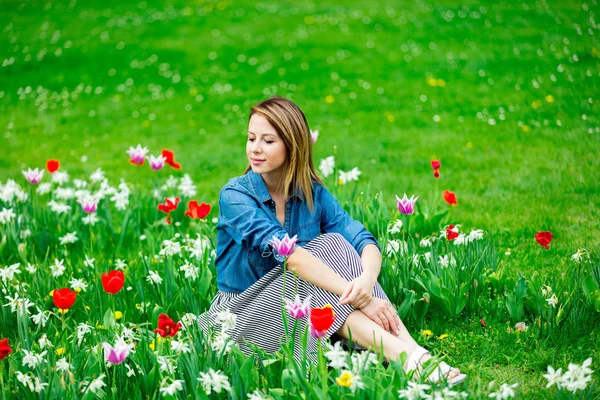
{"x":503,"y":93}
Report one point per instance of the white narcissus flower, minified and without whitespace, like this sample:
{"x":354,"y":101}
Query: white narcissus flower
{"x":6,"y":215}
{"x":395,"y":227}
{"x":60,"y":177}
{"x":180,"y":347}
{"x":40,"y":318}
{"x":553,"y":300}
{"x":62,"y":365}
{"x":172,"y":389}
{"x":505,"y":392}
{"x":32,"y":360}
{"x":97,"y":175}
{"x":57,"y":268}
{"x":69,"y":238}
{"x":227,"y":320}
{"x":553,"y":376}
{"x":337,"y":356}
{"x":154,"y":277}
{"x":59,"y":208}
{"x":44,"y":188}
{"x":89,"y":262}
{"x":8,"y":273}
{"x":190,"y":270}
{"x":214,"y":381}
{"x":327,"y":166}
{"x":349,"y":176}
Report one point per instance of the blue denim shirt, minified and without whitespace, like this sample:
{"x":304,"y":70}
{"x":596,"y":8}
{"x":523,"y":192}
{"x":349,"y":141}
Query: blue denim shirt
{"x":248,"y":220}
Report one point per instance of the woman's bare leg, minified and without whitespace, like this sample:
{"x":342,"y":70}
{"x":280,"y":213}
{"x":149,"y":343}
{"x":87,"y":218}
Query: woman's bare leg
{"x":371,"y":336}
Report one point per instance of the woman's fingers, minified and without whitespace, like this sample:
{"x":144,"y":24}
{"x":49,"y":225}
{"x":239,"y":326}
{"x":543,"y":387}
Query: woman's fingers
{"x":347,"y":291}
{"x":392,"y":321}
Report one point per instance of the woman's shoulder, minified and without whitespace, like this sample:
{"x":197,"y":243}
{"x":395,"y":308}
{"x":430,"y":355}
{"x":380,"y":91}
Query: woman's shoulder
{"x":239,"y":184}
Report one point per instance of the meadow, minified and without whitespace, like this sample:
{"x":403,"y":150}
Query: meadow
{"x":504,"y":94}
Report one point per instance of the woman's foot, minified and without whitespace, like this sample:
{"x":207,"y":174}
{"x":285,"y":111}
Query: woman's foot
{"x":419,"y":357}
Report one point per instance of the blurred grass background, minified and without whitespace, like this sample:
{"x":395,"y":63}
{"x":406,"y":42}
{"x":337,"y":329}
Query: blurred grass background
{"x":504,"y":93}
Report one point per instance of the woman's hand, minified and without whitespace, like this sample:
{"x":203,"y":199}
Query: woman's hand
{"x":359,"y":292}
{"x":383,"y":314}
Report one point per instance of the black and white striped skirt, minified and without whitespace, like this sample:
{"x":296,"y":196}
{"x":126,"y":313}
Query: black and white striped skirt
{"x":259,"y":308}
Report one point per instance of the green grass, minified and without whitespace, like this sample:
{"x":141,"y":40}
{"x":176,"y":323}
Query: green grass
{"x":374,"y":59}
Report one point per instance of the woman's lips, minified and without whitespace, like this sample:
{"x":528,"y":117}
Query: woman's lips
{"x":256,"y":161}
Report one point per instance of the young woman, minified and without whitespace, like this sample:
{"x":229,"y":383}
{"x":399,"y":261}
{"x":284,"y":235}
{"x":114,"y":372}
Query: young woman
{"x":337,"y":261}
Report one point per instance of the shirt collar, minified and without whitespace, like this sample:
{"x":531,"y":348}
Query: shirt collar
{"x":260,"y":188}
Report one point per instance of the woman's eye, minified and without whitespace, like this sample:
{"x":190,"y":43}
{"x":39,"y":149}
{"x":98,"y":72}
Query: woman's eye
{"x":250,"y":140}
{"x":269,"y":142}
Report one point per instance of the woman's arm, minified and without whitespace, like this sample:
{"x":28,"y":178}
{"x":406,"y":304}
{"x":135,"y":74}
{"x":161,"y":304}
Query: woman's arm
{"x":371,"y":262}
{"x":315,"y":271}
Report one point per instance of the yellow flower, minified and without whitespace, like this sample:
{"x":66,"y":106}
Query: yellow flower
{"x":441,"y":83}
{"x":426,"y":332}
{"x":345,"y":379}
{"x":525,"y":128}
{"x":329,"y":99}
{"x":87,"y":308}
{"x":60,"y":351}
{"x":536,"y":104}
{"x":151,"y":345}
{"x":63,"y":311}
{"x":51,"y":293}
{"x":78,"y":289}
{"x":432,"y":81}
{"x":443,"y":336}
{"x":550,"y":98}
{"x":118,"y":315}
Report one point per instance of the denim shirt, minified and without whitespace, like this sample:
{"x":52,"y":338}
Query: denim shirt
{"x":248,"y":220}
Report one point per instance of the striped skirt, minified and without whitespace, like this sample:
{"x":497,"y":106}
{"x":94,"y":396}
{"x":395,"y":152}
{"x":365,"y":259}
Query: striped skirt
{"x":259,"y":308}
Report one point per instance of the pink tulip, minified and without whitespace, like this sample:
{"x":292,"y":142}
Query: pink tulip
{"x":137,"y":154}
{"x":296,"y":308}
{"x":316,"y":333}
{"x":117,"y":354}
{"x":405,"y":205}
{"x":157,"y":163}
{"x":314,"y":135}
{"x":33,"y":176}
{"x":89,"y":205}
{"x":285,"y":246}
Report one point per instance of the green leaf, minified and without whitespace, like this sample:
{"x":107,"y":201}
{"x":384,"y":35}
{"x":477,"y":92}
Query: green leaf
{"x":109,"y":319}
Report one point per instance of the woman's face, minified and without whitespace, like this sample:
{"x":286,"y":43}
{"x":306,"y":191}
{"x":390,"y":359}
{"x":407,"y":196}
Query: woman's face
{"x":265,"y":150}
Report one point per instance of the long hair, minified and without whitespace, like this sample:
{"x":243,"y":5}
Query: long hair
{"x":291,"y":125}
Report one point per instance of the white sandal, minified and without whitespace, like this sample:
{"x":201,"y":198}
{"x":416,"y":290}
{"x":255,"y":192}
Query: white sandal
{"x":441,"y":372}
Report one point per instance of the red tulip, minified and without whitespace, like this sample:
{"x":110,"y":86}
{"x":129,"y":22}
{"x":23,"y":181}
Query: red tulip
{"x":166,"y":326}
{"x":113,"y":281}
{"x":64,"y":298}
{"x":436,"y":164}
{"x":482,"y":322}
{"x":322,"y":318}
{"x":170,"y":159}
{"x":451,"y":234}
{"x":52,"y":166}
{"x":197,"y":211}
{"x":168,"y":206}
{"x":5,"y":349}
{"x":544,"y":238}
{"x":450,"y":198}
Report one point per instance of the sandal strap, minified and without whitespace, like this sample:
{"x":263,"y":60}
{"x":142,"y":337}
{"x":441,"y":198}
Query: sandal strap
{"x":414,"y":360}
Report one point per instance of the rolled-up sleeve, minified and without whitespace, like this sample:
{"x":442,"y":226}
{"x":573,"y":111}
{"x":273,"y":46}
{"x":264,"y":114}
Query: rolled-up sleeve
{"x":246,"y":222}
{"x":335,"y":219}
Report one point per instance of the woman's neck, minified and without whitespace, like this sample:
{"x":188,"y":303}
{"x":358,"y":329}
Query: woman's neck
{"x":273,"y":185}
